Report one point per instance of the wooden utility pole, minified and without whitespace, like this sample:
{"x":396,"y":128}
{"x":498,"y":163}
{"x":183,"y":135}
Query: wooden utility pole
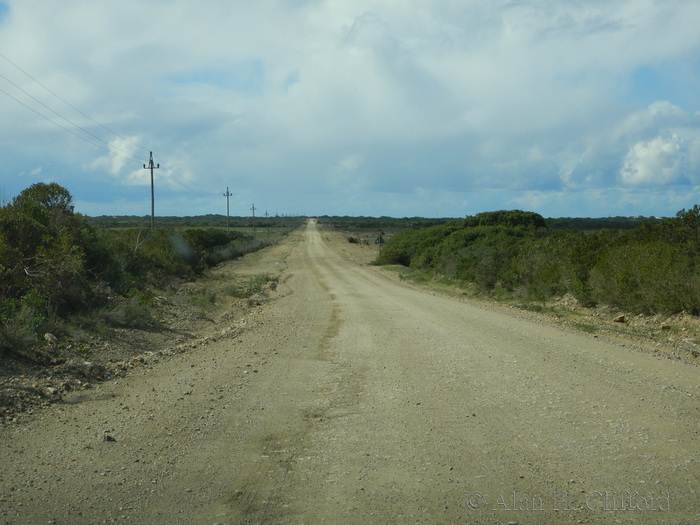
{"x":267,"y":226}
{"x":227,"y":195}
{"x":253,"y":208}
{"x":153,"y":195}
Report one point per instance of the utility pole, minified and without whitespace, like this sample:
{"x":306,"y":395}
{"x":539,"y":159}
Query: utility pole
{"x":153,"y":197}
{"x":227,"y":195}
{"x":253,"y":208}
{"x":267,"y":226}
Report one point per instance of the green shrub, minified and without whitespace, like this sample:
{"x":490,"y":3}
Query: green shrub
{"x":509,"y":218}
{"x":539,"y":268}
{"x":653,"y":277}
{"x":43,"y":240}
{"x":653,"y":268}
{"x":202,"y":239}
{"x":18,"y":330}
{"x":252,"y":286}
{"x":478,"y":249}
{"x":55,"y":264}
{"x":134,"y":313}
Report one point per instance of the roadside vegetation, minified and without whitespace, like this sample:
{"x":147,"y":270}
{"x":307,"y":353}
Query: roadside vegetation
{"x":646,"y":267}
{"x":61,"y":273}
{"x":273,"y":222}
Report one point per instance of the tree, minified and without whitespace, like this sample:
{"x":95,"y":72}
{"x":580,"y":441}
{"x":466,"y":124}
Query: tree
{"x":44,"y":241}
{"x":47,"y":196}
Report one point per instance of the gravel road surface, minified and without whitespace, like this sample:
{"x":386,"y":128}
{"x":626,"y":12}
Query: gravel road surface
{"x":354,"y":398}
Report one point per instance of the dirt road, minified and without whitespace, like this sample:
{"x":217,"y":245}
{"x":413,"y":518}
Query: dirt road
{"x":352,"y":398}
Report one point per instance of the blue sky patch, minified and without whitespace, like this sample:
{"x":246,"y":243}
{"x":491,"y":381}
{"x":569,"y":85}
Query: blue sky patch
{"x":247,"y":77}
{"x":675,"y":80}
{"x":293,"y":78}
{"x":647,"y":86}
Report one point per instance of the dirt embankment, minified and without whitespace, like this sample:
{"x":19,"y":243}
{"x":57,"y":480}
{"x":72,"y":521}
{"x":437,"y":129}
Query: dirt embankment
{"x":345,"y":396}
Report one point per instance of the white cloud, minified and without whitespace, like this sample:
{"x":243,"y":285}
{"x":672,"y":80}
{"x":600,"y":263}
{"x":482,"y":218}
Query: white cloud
{"x":649,"y":146}
{"x":350,"y":163}
{"x":123,"y":152}
{"x":137,"y":177}
{"x":310,"y":101}
{"x":655,"y":162}
{"x":658,"y":115}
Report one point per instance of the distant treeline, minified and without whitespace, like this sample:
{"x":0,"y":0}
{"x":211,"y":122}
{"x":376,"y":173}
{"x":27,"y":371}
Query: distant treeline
{"x":200,"y":221}
{"x":652,"y":267}
{"x":56,"y":264}
{"x":598,"y":223}
{"x":379,"y":223}
{"x":415,"y":223}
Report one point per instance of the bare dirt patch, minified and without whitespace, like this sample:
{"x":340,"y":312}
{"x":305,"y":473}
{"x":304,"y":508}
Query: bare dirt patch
{"x":347,"y":397}
{"x":675,"y":337}
{"x":184,"y":317}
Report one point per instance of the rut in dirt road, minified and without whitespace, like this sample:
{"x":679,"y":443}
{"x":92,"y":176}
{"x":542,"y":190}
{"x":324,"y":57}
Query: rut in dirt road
{"x":354,"y":399}
{"x":434,"y":411}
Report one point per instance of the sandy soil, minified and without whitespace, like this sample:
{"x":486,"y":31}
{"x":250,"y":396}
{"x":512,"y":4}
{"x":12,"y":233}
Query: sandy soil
{"x":350,"y":397}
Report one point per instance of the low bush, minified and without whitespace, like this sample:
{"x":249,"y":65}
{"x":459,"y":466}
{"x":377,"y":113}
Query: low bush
{"x":54,"y":265}
{"x":252,"y":286}
{"x":133,"y":313}
{"x":653,"y":277}
{"x":653,"y":268}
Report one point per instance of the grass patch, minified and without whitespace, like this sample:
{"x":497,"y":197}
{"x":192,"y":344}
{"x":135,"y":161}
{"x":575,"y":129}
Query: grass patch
{"x":531,"y":307}
{"x":134,"y":313}
{"x":584,"y":327}
{"x":253,"y":286}
{"x":205,"y":298}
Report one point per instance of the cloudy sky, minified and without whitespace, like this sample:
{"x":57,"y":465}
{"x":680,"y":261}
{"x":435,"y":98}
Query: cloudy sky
{"x":439,"y":108}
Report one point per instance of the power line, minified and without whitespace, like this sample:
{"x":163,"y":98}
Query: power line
{"x":153,"y":198}
{"x":180,"y":180}
{"x":174,"y":183}
{"x":66,"y":129}
{"x":173,"y":173}
{"x":172,"y":179}
{"x":227,"y":195}
{"x":71,"y":105}
{"x":64,"y":118}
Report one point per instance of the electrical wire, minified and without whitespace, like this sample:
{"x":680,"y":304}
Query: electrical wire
{"x":111,"y":148}
{"x":72,"y":106}
{"x":174,"y":181}
{"x":174,"y":174}
{"x":66,"y":119}
{"x":64,"y":128}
